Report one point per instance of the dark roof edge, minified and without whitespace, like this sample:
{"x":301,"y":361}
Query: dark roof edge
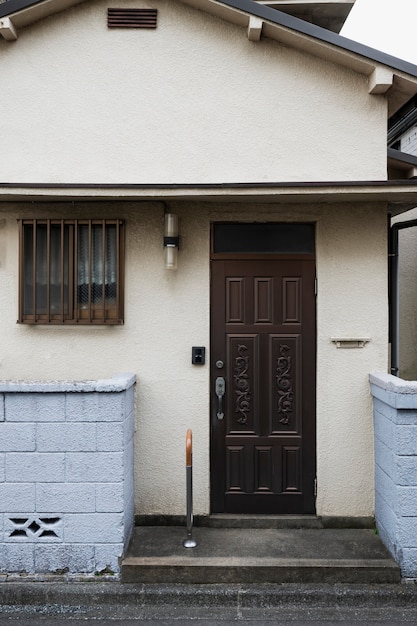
{"x":185,"y":186}
{"x":282,"y":19}
{"x":411,"y":159}
{"x":13,"y":6}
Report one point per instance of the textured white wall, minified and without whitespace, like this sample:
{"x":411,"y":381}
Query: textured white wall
{"x":192,"y":101}
{"x":168,"y":312}
{"x":165,"y":314}
{"x":352,"y":302}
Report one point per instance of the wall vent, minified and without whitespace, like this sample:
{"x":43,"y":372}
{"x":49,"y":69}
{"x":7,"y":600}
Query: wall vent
{"x":33,"y":527}
{"x":131,"y":18}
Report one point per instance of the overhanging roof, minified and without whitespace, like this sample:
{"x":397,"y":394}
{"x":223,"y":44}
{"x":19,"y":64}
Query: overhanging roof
{"x":330,"y":14}
{"x":387,"y":74}
{"x":399,"y":195}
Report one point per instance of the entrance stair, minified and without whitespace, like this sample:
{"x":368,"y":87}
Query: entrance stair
{"x":257,"y":549}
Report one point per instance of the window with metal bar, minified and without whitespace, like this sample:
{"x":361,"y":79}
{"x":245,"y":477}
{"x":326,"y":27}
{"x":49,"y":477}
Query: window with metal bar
{"x":71,"y":271}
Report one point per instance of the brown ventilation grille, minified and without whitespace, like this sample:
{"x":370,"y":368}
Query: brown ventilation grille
{"x":131,"y":18}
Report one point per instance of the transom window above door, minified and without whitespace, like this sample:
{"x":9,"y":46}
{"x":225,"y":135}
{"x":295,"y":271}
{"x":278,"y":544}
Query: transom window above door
{"x":263,"y":238}
{"x":71,"y":271}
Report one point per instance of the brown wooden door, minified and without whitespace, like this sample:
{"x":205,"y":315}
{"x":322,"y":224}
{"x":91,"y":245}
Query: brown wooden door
{"x":263,"y":346}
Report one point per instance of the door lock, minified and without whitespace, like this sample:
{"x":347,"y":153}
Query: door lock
{"x":220,"y":391}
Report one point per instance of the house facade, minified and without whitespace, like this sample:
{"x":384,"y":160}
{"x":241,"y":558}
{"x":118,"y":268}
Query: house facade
{"x":266,"y":137}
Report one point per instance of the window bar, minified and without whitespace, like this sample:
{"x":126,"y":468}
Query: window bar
{"x":21,"y":272}
{"x":89,"y":269}
{"x":117,"y":269}
{"x":48,"y":270}
{"x":35,"y":226}
{"x":62,"y":270}
{"x":75,"y":290}
{"x":120,"y":243}
{"x":103,"y":270}
{"x":72,"y":283}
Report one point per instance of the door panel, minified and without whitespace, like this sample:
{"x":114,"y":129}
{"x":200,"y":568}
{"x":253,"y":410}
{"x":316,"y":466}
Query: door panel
{"x":263,"y":344}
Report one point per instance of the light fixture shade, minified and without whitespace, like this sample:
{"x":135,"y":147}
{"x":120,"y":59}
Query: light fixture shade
{"x":171,"y":241}
{"x":171,"y":257}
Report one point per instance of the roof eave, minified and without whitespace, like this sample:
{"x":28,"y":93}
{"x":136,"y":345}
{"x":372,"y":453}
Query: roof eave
{"x":399,"y":195}
{"x":25,"y":12}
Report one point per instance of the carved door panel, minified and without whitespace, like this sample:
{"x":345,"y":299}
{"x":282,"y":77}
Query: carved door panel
{"x":263,"y":346}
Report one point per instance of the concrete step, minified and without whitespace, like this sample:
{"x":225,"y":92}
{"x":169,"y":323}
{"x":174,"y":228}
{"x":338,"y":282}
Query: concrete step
{"x":228,"y":520}
{"x":257,"y":555}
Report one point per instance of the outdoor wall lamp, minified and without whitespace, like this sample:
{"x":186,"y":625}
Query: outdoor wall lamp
{"x":171,"y":241}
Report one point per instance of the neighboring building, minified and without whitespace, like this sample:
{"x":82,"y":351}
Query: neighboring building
{"x":402,"y":133}
{"x":402,"y":164}
{"x":266,"y":136}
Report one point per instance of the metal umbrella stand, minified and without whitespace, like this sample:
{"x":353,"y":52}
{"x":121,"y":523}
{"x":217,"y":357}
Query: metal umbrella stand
{"x":189,"y":542}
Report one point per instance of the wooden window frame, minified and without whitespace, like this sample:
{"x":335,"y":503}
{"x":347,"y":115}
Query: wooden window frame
{"x":71,"y":310}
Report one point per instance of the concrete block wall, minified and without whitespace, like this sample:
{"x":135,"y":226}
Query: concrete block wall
{"x":66,"y":475}
{"x":395,"y":424}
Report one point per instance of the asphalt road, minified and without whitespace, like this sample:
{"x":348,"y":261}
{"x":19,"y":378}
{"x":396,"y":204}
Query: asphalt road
{"x":112,"y":604}
{"x":164,"y":616}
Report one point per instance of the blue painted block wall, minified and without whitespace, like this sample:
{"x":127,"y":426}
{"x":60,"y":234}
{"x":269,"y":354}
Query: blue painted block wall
{"x":66,"y":475}
{"x":395,"y":425}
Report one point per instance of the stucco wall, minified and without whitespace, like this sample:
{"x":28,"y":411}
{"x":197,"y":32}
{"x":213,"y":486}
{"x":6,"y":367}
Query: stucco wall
{"x":168,"y":312}
{"x":352,"y":302}
{"x":192,"y":101}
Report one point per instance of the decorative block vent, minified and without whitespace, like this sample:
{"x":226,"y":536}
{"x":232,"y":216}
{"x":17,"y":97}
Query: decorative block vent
{"x":131,"y":18}
{"x":34,"y":528}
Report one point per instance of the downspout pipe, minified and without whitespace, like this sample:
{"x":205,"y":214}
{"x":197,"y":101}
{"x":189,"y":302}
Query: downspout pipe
{"x":394,"y":292}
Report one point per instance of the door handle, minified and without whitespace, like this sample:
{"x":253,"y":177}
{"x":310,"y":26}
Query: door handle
{"x":220,"y":390}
